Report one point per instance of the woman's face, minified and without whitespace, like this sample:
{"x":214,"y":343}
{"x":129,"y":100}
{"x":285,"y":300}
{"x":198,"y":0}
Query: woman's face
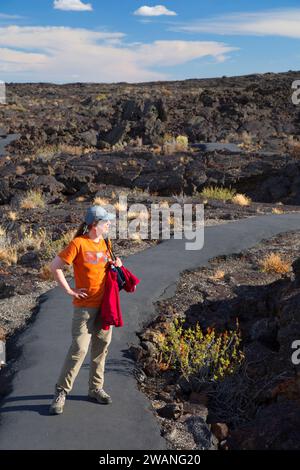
{"x":102,"y":227}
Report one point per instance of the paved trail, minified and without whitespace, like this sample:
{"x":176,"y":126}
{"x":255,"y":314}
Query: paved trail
{"x":129,"y":422}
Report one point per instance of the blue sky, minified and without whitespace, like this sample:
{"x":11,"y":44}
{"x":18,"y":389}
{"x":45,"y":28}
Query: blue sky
{"x":137,"y":41}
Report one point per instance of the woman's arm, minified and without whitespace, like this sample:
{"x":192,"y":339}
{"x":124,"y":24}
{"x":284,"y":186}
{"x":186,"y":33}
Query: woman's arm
{"x":56,"y":267}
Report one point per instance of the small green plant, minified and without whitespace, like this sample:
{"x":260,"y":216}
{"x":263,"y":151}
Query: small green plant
{"x":182,"y":142}
{"x":224,"y":194}
{"x":207,"y":356}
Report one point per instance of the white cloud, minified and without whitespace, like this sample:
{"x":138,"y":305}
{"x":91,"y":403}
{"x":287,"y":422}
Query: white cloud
{"x":16,"y":61}
{"x":169,"y":53}
{"x":72,"y":5}
{"x":279,"y":22}
{"x":9,"y":17}
{"x":158,"y":10}
{"x":58,"y":54}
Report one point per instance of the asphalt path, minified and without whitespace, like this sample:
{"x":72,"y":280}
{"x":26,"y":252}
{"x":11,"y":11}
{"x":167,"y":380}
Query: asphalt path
{"x":129,"y":423}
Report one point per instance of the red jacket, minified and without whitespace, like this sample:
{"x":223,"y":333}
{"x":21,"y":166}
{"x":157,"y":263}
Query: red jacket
{"x":111,"y":313}
{"x":131,"y":280}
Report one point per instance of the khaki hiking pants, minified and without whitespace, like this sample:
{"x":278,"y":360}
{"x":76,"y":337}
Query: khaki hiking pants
{"x":86,"y":327}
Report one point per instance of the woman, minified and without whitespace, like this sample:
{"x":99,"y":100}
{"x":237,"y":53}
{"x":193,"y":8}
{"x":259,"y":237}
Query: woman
{"x":90,"y":258}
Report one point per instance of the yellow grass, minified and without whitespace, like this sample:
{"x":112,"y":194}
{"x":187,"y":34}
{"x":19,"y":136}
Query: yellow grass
{"x":68,"y":236}
{"x":247,"y":138}
{"x":164,"y":204}
{"x":241,"y":200}
{"x":32,"y":200}
{"x":273,"y":263}
{"x":52,"y":247}
{"x":101,"y":201}
{"x":141,"y":215}
{"x":11,"y":215}
{"x":165,"y":91}
{"x":48,"y":151}
{"x":46,"y":273}
{"x":173,"y":144}
{"x":120,"y":207}
{"x":216,"y":192}
{"x":277,"y":210}
{"x":182,"y":142}
{"x":32,"y":240}
{"x":2,"y":231}
{"x":3,"y":333}
{"x":219,"y":274}
{"x":101,"y":97}
{"x":8,"y":255}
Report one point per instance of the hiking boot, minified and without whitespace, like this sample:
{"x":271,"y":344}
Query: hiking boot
{"x":100,"y":396}
{"x":58,"y":402}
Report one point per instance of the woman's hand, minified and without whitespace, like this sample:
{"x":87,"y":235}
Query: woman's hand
{"x":78,"y":293}
{"x":118,"y":262}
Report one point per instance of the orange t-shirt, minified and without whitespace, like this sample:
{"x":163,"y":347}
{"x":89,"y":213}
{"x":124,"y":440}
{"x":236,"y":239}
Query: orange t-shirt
{"x":90,"y":265}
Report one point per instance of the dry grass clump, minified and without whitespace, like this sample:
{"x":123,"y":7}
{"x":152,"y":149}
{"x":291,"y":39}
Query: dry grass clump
{"x":32,"y":200}
{"x":120,"y":207}
{"x":293,"y":146}
{"x":101,"y":97}
{"x":101,"y":201}
{"x":173,"y":144}
{"x":49,"y":151}
{"x":248,"y":142}
{"x":277,"y":210}
{"x":216,"y":192}
{"x":139,"y":215}
{"x":12,"y":215}
{"x":46,"y":273}
{"x":31,"y":240}
{"x":52,"y":247}
{"x":273,"y":263}
{"x":8,"y":253}
{"x":247,"y":138}
{"x":218,"y":275}
{"x":164,"y":204}
{"x":241,"y":200}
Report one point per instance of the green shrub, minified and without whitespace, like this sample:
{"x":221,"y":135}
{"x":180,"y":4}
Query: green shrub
{"x":207,"y":356}
{"x":211,"y":192}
